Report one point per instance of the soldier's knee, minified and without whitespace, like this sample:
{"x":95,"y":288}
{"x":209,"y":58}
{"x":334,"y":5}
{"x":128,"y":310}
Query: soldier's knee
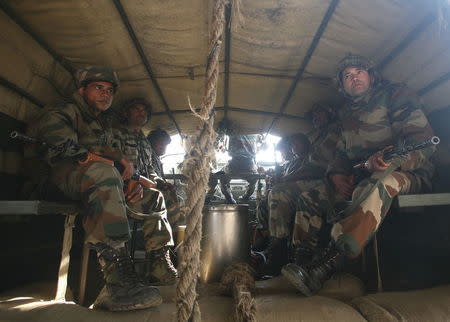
{"x":101,"y":172}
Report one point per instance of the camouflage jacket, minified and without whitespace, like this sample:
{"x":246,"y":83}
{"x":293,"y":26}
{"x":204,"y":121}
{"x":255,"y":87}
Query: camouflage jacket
{"x":242,"y":150}
{"x":74,"y":123}
{"x":387,"y":114}
{"x":157,"y":164}
{"x":293,"y":169}
{"x":323,"y":144}
{"x":137,"y":149}
{"x":242,"y":146}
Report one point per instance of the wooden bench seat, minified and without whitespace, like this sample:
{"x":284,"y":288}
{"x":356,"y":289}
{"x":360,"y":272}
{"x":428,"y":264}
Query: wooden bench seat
{"x":423,"y":200}
{"x":38,"y":207}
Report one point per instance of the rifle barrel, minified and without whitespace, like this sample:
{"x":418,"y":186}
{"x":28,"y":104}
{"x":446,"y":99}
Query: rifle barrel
{"x":390,"y":154}
{"x":22,"y":137}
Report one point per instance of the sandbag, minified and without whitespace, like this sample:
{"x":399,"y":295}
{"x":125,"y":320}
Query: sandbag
{"x":424,"y":305}
{"x":342,"y":287}
{"x":213,"y":309}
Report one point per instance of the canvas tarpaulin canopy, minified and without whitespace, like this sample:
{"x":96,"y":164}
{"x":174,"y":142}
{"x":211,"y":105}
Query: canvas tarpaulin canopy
{"x":278,"y":57}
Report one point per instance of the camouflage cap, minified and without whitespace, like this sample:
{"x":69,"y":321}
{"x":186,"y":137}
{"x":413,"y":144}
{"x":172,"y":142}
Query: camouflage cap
{"x":128,"y":104}
{"x":326,"y":106}
{"x":300,"y":137}
{"x":283,"y":143}
{"x":159,"y":134}
{"x":88,"y":74}
{"x":137,"y":101}
{"x":352,"y":60}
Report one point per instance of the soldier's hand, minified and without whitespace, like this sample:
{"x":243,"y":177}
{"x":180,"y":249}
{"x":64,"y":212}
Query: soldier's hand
{"x":128,"y":169}
{"x":343,"y":184}
{"x":136,"y":193}
{"x":168,"y":186}
{"x":376,"y":162}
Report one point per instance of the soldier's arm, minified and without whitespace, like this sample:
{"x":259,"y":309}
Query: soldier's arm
{"x":410,"y":123}
{"x":152,"y":175}
{"x":56,"y":128}
{"x":114,"y":147}
{"x":341,"y":163}
{"x":339,"y":172}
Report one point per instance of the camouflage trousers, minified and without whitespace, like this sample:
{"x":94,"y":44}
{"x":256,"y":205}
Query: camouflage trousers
{"x":282,"y":204}
{"x":99,"y":187}
{"x":262,"y":213}
{"x":353,"y":227}
{"x":175,"y":208}
{"x":151,"y":209}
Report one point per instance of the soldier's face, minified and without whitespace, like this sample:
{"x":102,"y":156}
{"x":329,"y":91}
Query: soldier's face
{"x":298,"y":148}
{"x":160,"y":147}
{"x":356,"y":81}
{"x":137,"y":115}
{"x":98,"y":95}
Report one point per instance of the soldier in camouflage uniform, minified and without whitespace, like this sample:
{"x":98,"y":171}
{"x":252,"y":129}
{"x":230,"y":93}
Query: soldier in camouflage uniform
{"x":325,"y":133}
{"x":159,"y":140}
{"x":273,"y":176}
{"x":377,"y":114}
{"x":82,"y":174}
{"x":150,"y":202}
{"x":308,"y":173}
{"x":242,"y":149}
{"x":323,"y":137}
{"x":286,"y":180}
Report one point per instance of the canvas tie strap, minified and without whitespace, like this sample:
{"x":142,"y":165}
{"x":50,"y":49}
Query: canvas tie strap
{"x":65,"y":258}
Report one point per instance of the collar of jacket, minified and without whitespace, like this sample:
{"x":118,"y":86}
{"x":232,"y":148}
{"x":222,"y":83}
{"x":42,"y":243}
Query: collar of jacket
{"x":139,"y":134}
{"x":87,"y":111}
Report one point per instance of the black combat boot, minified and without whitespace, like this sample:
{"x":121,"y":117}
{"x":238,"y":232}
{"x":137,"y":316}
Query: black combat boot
{"x":273,"y":257}
{"x":123,"y":291}
{"x":302,"y":254}
{"x":161,"y":270}
{"x":309,"y":278}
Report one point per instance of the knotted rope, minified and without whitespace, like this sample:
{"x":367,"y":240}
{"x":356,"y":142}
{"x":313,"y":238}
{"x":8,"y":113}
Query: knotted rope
{"x":238,"y":281}
{"x":196,"y":168}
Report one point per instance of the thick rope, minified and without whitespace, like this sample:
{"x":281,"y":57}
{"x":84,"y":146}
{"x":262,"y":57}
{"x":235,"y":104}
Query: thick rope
{"x":238,"y":281}
{"x":196,"y":169}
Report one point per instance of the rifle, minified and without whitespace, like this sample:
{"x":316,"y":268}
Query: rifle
{"x":85,"y":158}
{"x":389,"y":154}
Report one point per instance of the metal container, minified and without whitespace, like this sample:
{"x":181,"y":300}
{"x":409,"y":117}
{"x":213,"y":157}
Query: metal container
{"x":226,"y":239}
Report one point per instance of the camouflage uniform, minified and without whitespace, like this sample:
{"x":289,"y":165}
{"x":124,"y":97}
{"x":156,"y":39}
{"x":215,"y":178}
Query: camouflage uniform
{"x":386,"y":113}
{"x":283,"y":198}
{"x":242,"y":149}
{"x":174,"y":203}
{"x":81,"y":131}
{"x":323,"y":142}
{"x":156,"y":227}
{"x":96,"y":184}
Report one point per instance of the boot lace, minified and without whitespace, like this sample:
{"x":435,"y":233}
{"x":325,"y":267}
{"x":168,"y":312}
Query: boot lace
{"x":126,"y":270}
{"x":328,"y":260}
